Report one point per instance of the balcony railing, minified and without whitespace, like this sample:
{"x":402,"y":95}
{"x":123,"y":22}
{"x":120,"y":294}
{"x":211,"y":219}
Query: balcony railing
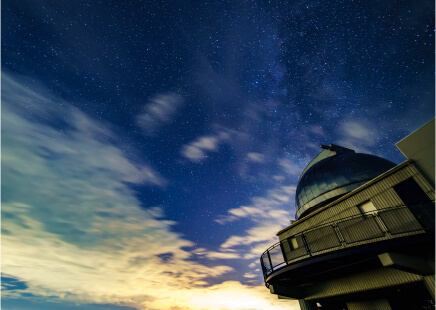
{"x":364,"y":228}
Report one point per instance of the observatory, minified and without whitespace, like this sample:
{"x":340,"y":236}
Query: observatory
{"x":364,"y":235}
{"x":333,"y":173}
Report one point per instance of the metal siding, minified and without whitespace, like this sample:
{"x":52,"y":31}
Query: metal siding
{"x":374,"y":304}
{"x":394,"y":197}
{"x":379,"y":201}
{"x":427,"y":188}
{"x":374,"y":279}
{"x":408,"y":172}
{"x":425,"y":184}
{"x":402,"y":175}
{"x":381,"y":193}
{"x":356,"y":236}
{"x":389,"y":181}
{"x":399,"y":178}
{"x":374,"y":190}
{"x":411,"y":169}
{"x":394,"y":180}
{"x":387,"y":198}
{"x":345,"y":203}
{"x":307,"y":305}
{"x":322,"y":239}
{"x":360,"y":229}
{"x":383,"y":196}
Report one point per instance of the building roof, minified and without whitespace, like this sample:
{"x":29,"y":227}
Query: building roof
{"x":420,"y":147}
{"x":335,"y":175}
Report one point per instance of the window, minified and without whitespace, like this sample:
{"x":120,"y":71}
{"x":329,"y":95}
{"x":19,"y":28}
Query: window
{"x":367,"y":208}
{"x":293,"y":244}
{"x":411,"y":193}
{"x":417,"y":202}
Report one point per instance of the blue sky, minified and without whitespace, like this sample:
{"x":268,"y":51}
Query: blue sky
{"x":151,"y":151}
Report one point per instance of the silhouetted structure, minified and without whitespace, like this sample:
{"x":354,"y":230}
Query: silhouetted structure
{"x":365,"y":237}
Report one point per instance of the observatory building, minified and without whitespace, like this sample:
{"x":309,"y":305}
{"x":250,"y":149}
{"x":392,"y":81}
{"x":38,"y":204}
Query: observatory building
{"x":364,"y":234}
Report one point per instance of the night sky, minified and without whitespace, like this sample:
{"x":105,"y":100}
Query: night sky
{"x":151,"y":149}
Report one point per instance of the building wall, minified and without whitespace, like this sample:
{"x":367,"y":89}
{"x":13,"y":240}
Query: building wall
{"x":362,"y":282}
{"x":420,"y":147}
{"x":374,"y":304}
{"x":380,"y":191}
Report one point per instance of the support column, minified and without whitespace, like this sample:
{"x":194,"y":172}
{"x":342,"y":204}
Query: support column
{"x":307,"y":305}
{"x":373,"y":304}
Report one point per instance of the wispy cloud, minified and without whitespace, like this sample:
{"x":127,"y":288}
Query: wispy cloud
{"x":73,"y":229}
{"x":358,"y":135}
{"x":317,"y":130}
{"x":269,"y":214}
{"x":272,"y":206}
{"x":291,"y":167}
{"x":255,"y":157}
{"x":196,"y":151}
{"x":159,"y":111}
{"x":279,"y":178}
{"x":216,"y":255}
{"x":266,"y":232}
{"x":250,"y":275}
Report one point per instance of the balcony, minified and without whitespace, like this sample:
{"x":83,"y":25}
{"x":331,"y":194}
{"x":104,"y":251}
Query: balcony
{"x":371,"y":227}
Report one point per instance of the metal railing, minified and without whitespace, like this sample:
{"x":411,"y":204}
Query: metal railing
{"x":381,"y":225}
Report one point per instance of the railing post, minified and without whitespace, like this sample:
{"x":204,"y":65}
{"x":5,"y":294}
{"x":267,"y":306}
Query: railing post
{"x":306,"y":244}
{"x":264,"y":272}
{"x":270,"y":262}
{"x":339,"y":234}
{"x":382,"y":224}
{"x":283,"y":251}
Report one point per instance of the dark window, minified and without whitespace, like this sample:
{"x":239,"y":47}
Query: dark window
{"x":411,"y":193}
{"x":417,"y":201}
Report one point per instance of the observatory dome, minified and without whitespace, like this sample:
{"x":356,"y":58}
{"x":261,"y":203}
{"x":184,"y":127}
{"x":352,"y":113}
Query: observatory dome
{"x":333,"y":173}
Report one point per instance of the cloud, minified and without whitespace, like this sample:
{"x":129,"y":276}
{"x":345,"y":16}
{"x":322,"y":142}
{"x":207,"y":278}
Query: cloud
{"x":279,"y":178}
{"x":317,"y":130}
{"x":255,"y":157}
{"x":196,"y":151}
{"x":246,"y":211}
{"x":271,"y":207}
{"x":253,"y":235}
{"x":250,"y":275}
{"x":73,"y":229}
{"x":159,"y":111}
{"x":358,"y":131}
{"x":233,"y":295}
{"x":269,"y":214}
{"x":358,"y":135}
{"x":216,"y":255}
{"x":291,"y":167}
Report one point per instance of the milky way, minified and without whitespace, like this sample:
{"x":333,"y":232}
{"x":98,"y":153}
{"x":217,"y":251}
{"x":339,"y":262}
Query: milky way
{"x":158,"y":144}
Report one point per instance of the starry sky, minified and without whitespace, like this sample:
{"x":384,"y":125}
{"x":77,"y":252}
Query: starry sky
{"x":151,"y":149}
